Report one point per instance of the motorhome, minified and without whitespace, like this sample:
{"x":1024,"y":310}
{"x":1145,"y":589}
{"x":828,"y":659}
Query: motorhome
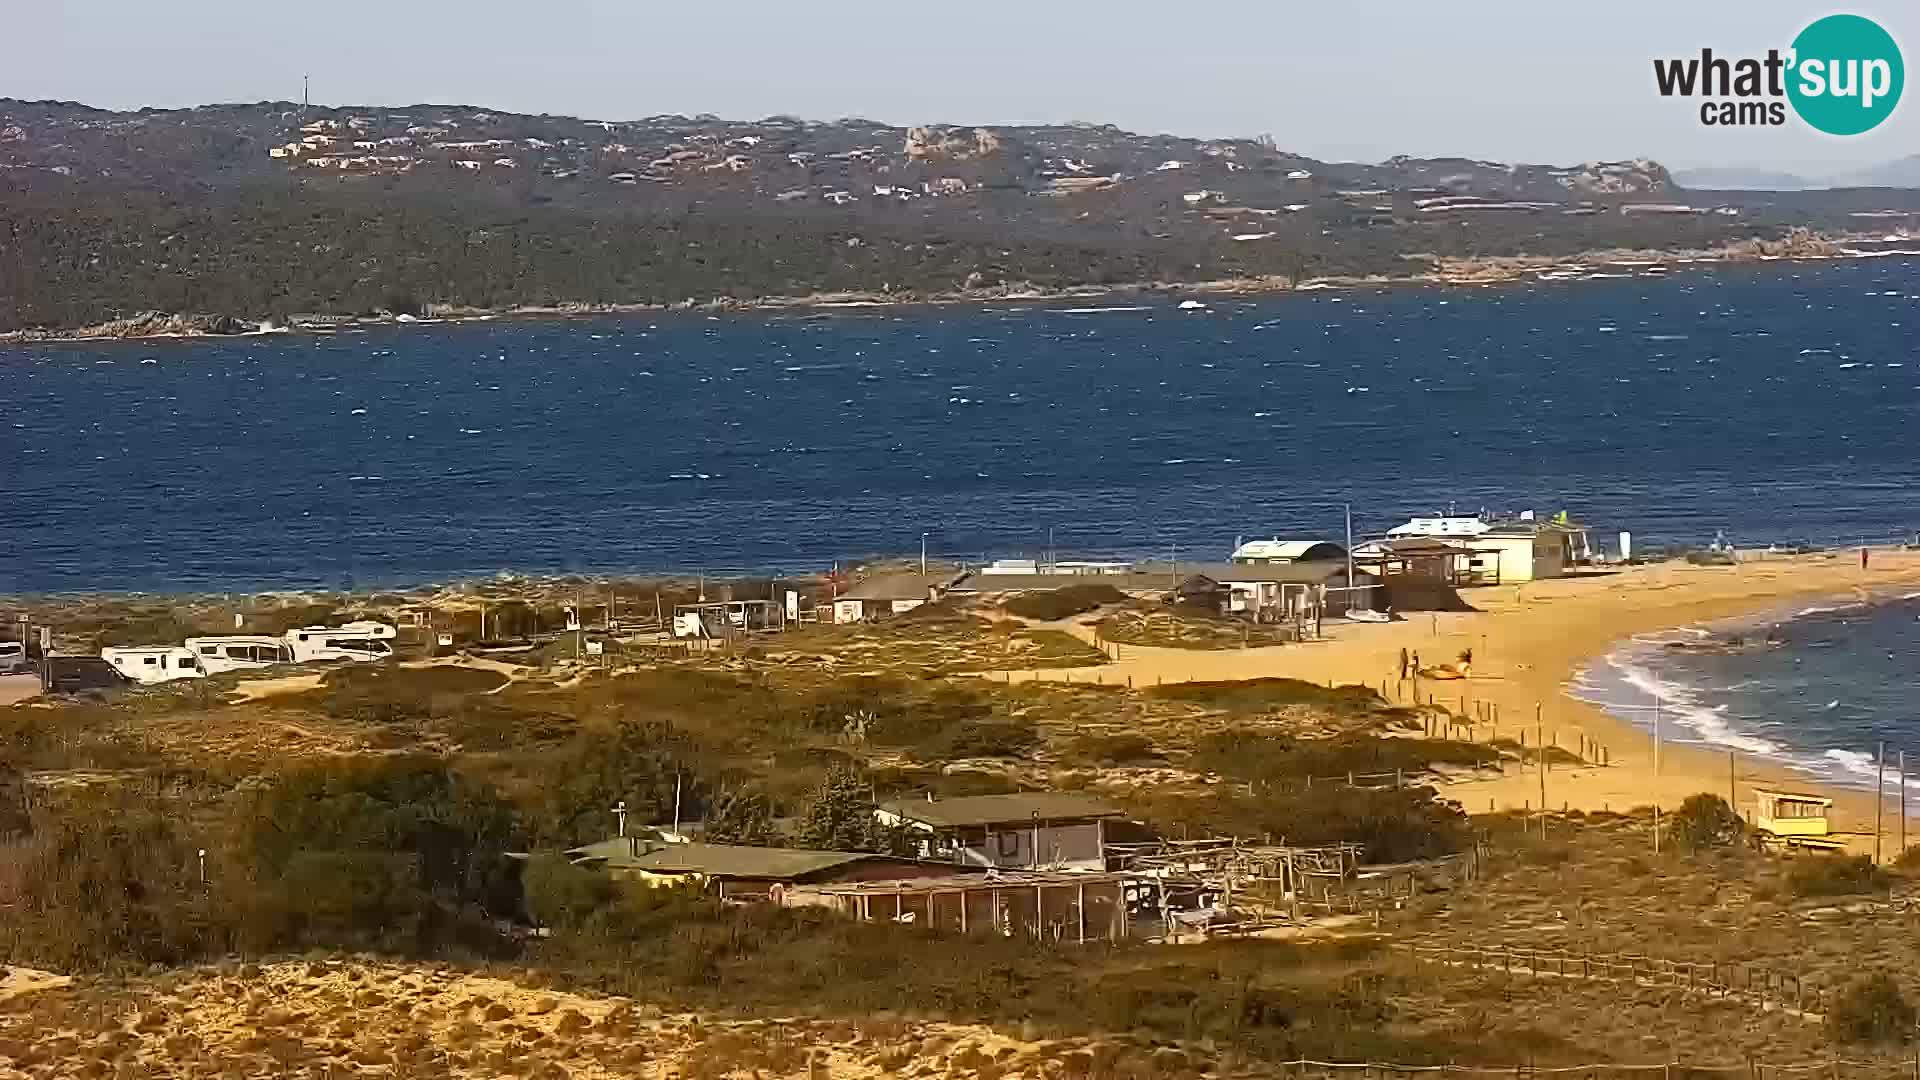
{"x":355,"y":641}
{"x":150,"y":664}
{"x":240,"y":652}
{"x":13,"y":657}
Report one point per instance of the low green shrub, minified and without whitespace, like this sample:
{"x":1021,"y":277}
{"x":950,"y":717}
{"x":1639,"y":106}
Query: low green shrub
{"x":1705,"y":821}
{"x":1835,"y":875}
{"x":1871,"y":1010}
{"x":1256,"y":695}
{"x":1063,"y":603}
{"x":1121,"y":749}
{"x":979,"y":739}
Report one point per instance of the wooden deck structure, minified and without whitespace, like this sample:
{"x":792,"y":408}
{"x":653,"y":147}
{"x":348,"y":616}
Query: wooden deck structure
{"x":1050,"y":905}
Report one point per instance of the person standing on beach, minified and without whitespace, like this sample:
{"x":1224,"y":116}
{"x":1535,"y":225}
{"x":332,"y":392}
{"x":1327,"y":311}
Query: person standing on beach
{"x":1403,"y":665}
{"x":1863,"y":556}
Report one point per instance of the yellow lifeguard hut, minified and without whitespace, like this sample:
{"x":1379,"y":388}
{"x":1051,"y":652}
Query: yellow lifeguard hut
{"x":1790,"y":814}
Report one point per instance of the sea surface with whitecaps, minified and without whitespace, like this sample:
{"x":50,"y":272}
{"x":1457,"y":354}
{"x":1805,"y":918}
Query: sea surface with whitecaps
{"x":1776,"y":403}
{"x":1819,"y":688}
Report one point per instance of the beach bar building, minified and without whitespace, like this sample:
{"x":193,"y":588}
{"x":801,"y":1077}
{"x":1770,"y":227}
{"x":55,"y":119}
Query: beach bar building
{"x":883,"y":595}
{"x":1282,"y":592}
{"x":1503,"y":551}
{"x":1048,"y":905}
{"x":1278,"y":552}
{"x":1056,"y":830}
{"x":745,"y":872}
{"x":1791,"y":814}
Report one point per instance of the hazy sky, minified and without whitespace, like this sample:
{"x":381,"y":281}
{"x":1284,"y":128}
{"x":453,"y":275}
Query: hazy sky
{"x":1540,"y":81}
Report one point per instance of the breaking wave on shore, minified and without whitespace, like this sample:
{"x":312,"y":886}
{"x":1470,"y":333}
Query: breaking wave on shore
{"x":1816,"y":689}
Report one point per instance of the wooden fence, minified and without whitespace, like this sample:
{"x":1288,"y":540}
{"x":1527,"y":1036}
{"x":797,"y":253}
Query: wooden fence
{"x":1755,"y":984}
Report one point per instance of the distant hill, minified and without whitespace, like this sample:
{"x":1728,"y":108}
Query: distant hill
{"x":273,"y":208}
{"x":1899,"y":173}
{"x":1737,"y":179}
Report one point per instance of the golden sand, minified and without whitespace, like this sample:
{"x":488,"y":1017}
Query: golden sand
{"x":1528,"y":641}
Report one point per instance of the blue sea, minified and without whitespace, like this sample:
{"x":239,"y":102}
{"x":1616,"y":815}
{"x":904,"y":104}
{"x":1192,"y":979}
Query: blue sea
{"x":1777,"y":404}
{"x":1834,"y":682}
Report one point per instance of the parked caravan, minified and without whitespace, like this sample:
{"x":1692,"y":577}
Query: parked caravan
{"x":353,"y":642}
{"x":240,"y":652}
{"x":13,"y":657}
{"x":151,"y":664}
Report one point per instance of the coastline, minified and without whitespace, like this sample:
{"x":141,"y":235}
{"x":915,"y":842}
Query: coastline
{"x":1799,"y":246}
{"x":1530,"y":642}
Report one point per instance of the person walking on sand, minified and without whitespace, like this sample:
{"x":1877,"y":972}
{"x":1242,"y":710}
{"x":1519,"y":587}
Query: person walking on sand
{"x":1416,"y":662}
{"x":1403,"y":665}
{"x":1863,"y":556}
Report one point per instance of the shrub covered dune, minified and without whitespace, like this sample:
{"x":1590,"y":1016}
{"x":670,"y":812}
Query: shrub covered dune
{"x":425,"y":817}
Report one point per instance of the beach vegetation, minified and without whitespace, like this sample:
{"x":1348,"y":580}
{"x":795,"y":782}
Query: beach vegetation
{"x":1049,"y":605}
{"x":1253,"y":695}
{"x":1704,"y":821}
{"x":1871,"y":1009}
{"x":1835,"y":875}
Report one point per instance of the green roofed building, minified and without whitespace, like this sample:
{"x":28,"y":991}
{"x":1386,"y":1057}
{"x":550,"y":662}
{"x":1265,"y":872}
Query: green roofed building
{"x":740,"y":871}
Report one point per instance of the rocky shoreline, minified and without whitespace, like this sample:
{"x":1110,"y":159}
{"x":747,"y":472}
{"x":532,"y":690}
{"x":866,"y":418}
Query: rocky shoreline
{"x":1798,"y":245}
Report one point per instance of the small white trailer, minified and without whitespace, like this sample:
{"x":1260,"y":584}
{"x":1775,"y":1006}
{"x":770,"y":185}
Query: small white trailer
{"x":152,"y":664}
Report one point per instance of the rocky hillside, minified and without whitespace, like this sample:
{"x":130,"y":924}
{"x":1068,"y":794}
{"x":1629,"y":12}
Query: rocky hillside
{"x":269,"y":210}
{"x":778,"y":159}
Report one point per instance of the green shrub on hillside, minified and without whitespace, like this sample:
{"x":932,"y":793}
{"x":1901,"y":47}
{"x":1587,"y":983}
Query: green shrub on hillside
{"x":1871,"y":1010}
{"x":1835,"y":875}
{"x":1704,"y":821}
{"x":1272,"y":693}
{"x":1063,"y":603}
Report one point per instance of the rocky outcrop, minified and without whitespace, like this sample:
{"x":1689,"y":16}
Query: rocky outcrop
{"x":144,"y":325}
{"x":1639,"y":176}
{"x":951,"y":144}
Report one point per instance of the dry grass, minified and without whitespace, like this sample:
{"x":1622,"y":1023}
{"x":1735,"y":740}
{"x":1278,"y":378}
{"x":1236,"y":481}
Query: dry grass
{"x":941,"y":642}
{"x":1169,"y":629}
{"x":346,"y":1018}
{"x":1596,"y":885}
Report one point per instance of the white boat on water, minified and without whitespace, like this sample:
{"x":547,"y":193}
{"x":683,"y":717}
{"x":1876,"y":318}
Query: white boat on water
{"x":154,"y":664}
{"x":1363,"y":615}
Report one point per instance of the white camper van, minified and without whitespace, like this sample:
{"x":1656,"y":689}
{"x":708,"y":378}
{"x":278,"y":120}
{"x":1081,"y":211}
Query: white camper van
{"x":13,"y":657}
{"x":355,"y":641}
{"x":150,"y":664}
{"x":240,"y":652}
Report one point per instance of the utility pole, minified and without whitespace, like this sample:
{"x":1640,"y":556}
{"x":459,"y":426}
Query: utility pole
{"x":923,"y":558}
{"x":1050,"y":556}
{"x":1656,"y":733}
{"x":1879,"y":796}
{"x":676,"y":806}
{"x":620,"y":814}
{"x":1903,"y":803}
{"x":1348,"y":508}
{"x":1543,"y":793}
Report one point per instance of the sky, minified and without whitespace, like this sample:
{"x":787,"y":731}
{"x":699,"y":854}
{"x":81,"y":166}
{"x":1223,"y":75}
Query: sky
{"x":1541,"y":81}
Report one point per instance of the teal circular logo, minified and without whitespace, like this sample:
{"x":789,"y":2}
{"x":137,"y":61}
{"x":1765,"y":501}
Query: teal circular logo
{"x":1846,"y":75}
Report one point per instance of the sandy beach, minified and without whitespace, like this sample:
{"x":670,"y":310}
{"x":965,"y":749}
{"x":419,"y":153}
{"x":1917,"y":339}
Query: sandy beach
{"x":1528,"y":641}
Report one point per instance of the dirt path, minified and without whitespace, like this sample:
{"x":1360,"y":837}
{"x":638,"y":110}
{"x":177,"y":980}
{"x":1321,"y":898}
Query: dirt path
{"x":18,"y":688}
